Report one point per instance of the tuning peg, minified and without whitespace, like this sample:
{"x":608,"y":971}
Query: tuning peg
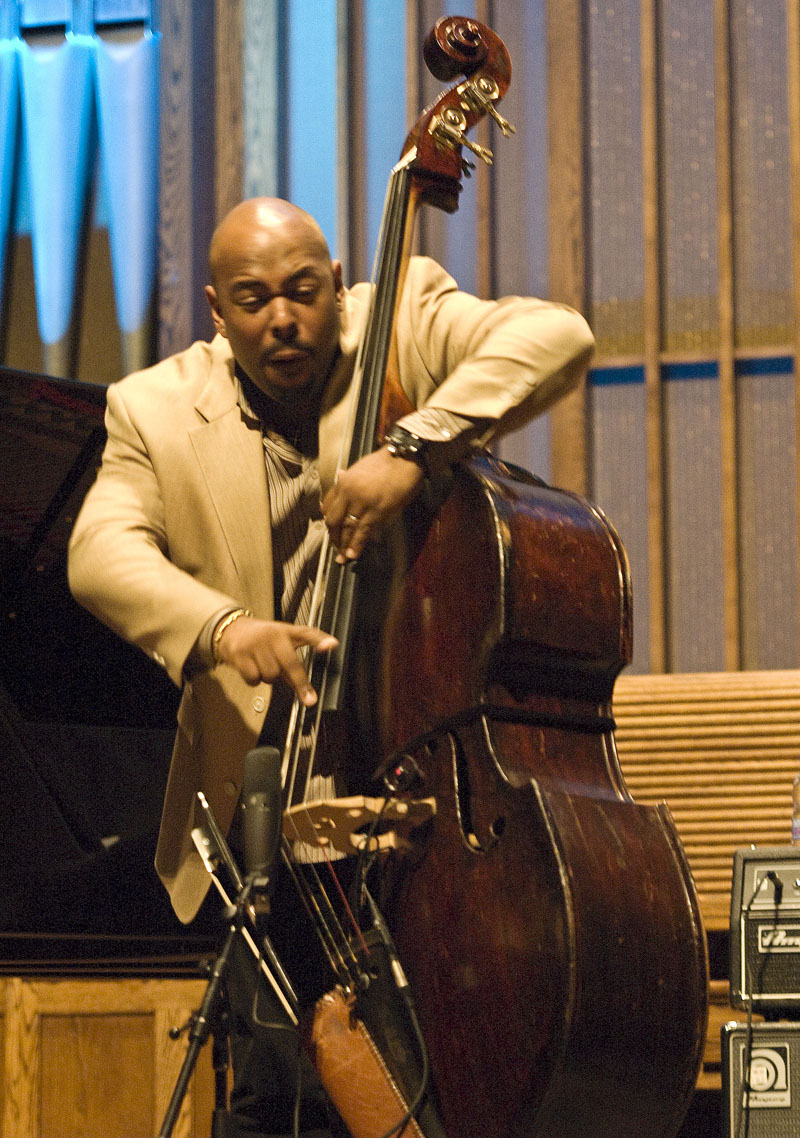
{"x":506,"y":127}
{"x":480,"y":95}
{"x":483,"y":152}
{"x":450,"y":128}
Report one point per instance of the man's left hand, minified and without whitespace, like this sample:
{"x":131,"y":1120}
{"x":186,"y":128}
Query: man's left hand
{"x":366,"y":496}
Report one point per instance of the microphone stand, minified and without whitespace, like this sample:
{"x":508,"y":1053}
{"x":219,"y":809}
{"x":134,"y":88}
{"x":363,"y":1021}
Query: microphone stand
{"x":213,"y":848}
{"x":202,"y":1021}
{"x":220,"y":1061}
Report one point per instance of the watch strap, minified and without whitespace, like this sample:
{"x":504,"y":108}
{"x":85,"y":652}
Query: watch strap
{"x":404,"y":444}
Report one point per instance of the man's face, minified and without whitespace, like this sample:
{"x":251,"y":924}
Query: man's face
{"x":277,"y":299}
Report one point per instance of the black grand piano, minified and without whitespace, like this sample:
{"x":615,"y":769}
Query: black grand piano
{"x":86,"y":723}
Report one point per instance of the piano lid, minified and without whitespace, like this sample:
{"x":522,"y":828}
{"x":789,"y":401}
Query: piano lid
{"x":58,"y":663}
{"x":86,"y":721}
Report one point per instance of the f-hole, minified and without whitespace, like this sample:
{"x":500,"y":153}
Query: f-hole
{"x":463,"y":795}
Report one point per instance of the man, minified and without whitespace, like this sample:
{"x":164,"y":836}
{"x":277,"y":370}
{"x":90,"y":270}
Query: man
{"x":198,"y":539}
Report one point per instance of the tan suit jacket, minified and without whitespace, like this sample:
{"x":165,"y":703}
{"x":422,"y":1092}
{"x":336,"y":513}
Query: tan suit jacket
{"x":177,"y":524}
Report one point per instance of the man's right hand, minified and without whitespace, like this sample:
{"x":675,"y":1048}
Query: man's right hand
{"x":267,"y":650}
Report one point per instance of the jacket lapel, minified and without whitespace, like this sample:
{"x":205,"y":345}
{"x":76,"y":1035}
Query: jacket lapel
{"x":231,"y":458}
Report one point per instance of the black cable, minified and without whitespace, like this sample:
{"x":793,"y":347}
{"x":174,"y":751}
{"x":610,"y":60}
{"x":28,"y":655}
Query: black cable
{"x":361,"y":871}
{"x":416,"y":1102}
{"x":403,"y":987}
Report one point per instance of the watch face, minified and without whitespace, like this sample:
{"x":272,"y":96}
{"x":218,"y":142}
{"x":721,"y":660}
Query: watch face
{"x":402,"y":444}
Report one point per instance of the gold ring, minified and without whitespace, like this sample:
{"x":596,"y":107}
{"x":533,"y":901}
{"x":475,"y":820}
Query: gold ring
{"x":351,"y":517}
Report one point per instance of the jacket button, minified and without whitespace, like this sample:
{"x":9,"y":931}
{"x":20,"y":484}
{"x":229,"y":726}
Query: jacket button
{"x":259,"y":703}
{"x":230,"y":789}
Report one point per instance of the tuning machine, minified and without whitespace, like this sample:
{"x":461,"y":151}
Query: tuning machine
{"x":480,"y":95}
{"x":450,"y":128}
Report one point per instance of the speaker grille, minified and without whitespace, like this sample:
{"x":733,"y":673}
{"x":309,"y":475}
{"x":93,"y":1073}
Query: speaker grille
{"x":761,"y":1080}
{"x":765,"y":930}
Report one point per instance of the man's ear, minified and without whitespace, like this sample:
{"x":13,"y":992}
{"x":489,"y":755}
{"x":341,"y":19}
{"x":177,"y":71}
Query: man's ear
{"x":338,"y":285}
{"x":216,"y":315}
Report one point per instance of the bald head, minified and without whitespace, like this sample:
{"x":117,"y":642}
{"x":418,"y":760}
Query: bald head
{"x":258,"y":219}
{"x":276,"y":296}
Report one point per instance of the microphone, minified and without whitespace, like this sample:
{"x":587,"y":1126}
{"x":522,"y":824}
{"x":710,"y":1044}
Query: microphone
{"x":262,"y":805}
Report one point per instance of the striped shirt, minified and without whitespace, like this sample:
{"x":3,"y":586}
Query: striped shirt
{"x":293,"y":487}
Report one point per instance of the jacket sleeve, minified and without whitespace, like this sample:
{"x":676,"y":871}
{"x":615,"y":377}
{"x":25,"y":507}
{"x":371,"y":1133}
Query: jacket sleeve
{"x":505,"y":361}
{"x":118,"y":561}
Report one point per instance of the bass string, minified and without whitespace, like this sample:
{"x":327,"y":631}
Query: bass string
{"x":305,"y":730}
{"x":336,"y":944}
{"x":304,"y":726}
{"x":333,"y":947}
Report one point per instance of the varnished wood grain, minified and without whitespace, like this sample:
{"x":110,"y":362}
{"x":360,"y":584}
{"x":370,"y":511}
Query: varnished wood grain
{"x":22,"y":1084}
{"x":579,"y":909}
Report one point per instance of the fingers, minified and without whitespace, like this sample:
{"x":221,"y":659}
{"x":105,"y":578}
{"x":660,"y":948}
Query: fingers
{"x":291,"y":668}
{"x":267,"y":650}
{"x":352,"y":536}
{"x":348,"y":522}
{"x":366,"y":497}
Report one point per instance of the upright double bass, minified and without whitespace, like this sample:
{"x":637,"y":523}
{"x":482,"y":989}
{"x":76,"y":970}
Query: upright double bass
{"x":545,"y":925}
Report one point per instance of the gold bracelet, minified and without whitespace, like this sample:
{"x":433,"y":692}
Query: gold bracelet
{"x":226,"y":622}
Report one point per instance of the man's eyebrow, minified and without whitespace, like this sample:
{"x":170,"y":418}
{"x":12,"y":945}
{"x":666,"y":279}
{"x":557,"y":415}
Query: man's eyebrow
{"x":310,"y":270}
{"x":247,"y":284}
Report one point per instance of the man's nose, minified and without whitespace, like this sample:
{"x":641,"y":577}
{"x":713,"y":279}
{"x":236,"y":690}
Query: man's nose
{"x":282,"y":318}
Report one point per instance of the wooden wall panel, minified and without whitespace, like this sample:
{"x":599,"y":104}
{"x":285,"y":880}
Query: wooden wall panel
{"x":567,"y":270}
{"x":187,"y":169}
{"x":722,"y":750}
{"x":229,"y":105}
{"x":725,"y":347}
{"x":793,"y":83}
{"x":767,"y":472}
{"x":94,"y":1057}
{"x":654,"y":416}
{"x":720,"y":139}
{"x":451,"y":239}
{"x":694,"y":540}
{"x":263,"y":96}
{"x":82,"y":1092}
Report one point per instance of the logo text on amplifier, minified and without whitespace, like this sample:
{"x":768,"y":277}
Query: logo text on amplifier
{"x":766,"y":1082}
{"x":779,"y":938}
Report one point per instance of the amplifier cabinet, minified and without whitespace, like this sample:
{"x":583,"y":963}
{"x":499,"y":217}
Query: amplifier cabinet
{"x":765,"y":930}
{"x":761,"y":1080}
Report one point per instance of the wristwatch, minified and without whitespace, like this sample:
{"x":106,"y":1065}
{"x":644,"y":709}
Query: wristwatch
{"x":402,"y":444}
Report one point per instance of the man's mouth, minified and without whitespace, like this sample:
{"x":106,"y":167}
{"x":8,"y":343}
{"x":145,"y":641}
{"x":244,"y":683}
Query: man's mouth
{"x":288,"y":366}
{"x":286,"y":355}
{"x":288,"y":361}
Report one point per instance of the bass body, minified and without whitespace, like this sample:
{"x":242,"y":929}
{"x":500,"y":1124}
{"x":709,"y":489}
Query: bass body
{"x":548,"y":924}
